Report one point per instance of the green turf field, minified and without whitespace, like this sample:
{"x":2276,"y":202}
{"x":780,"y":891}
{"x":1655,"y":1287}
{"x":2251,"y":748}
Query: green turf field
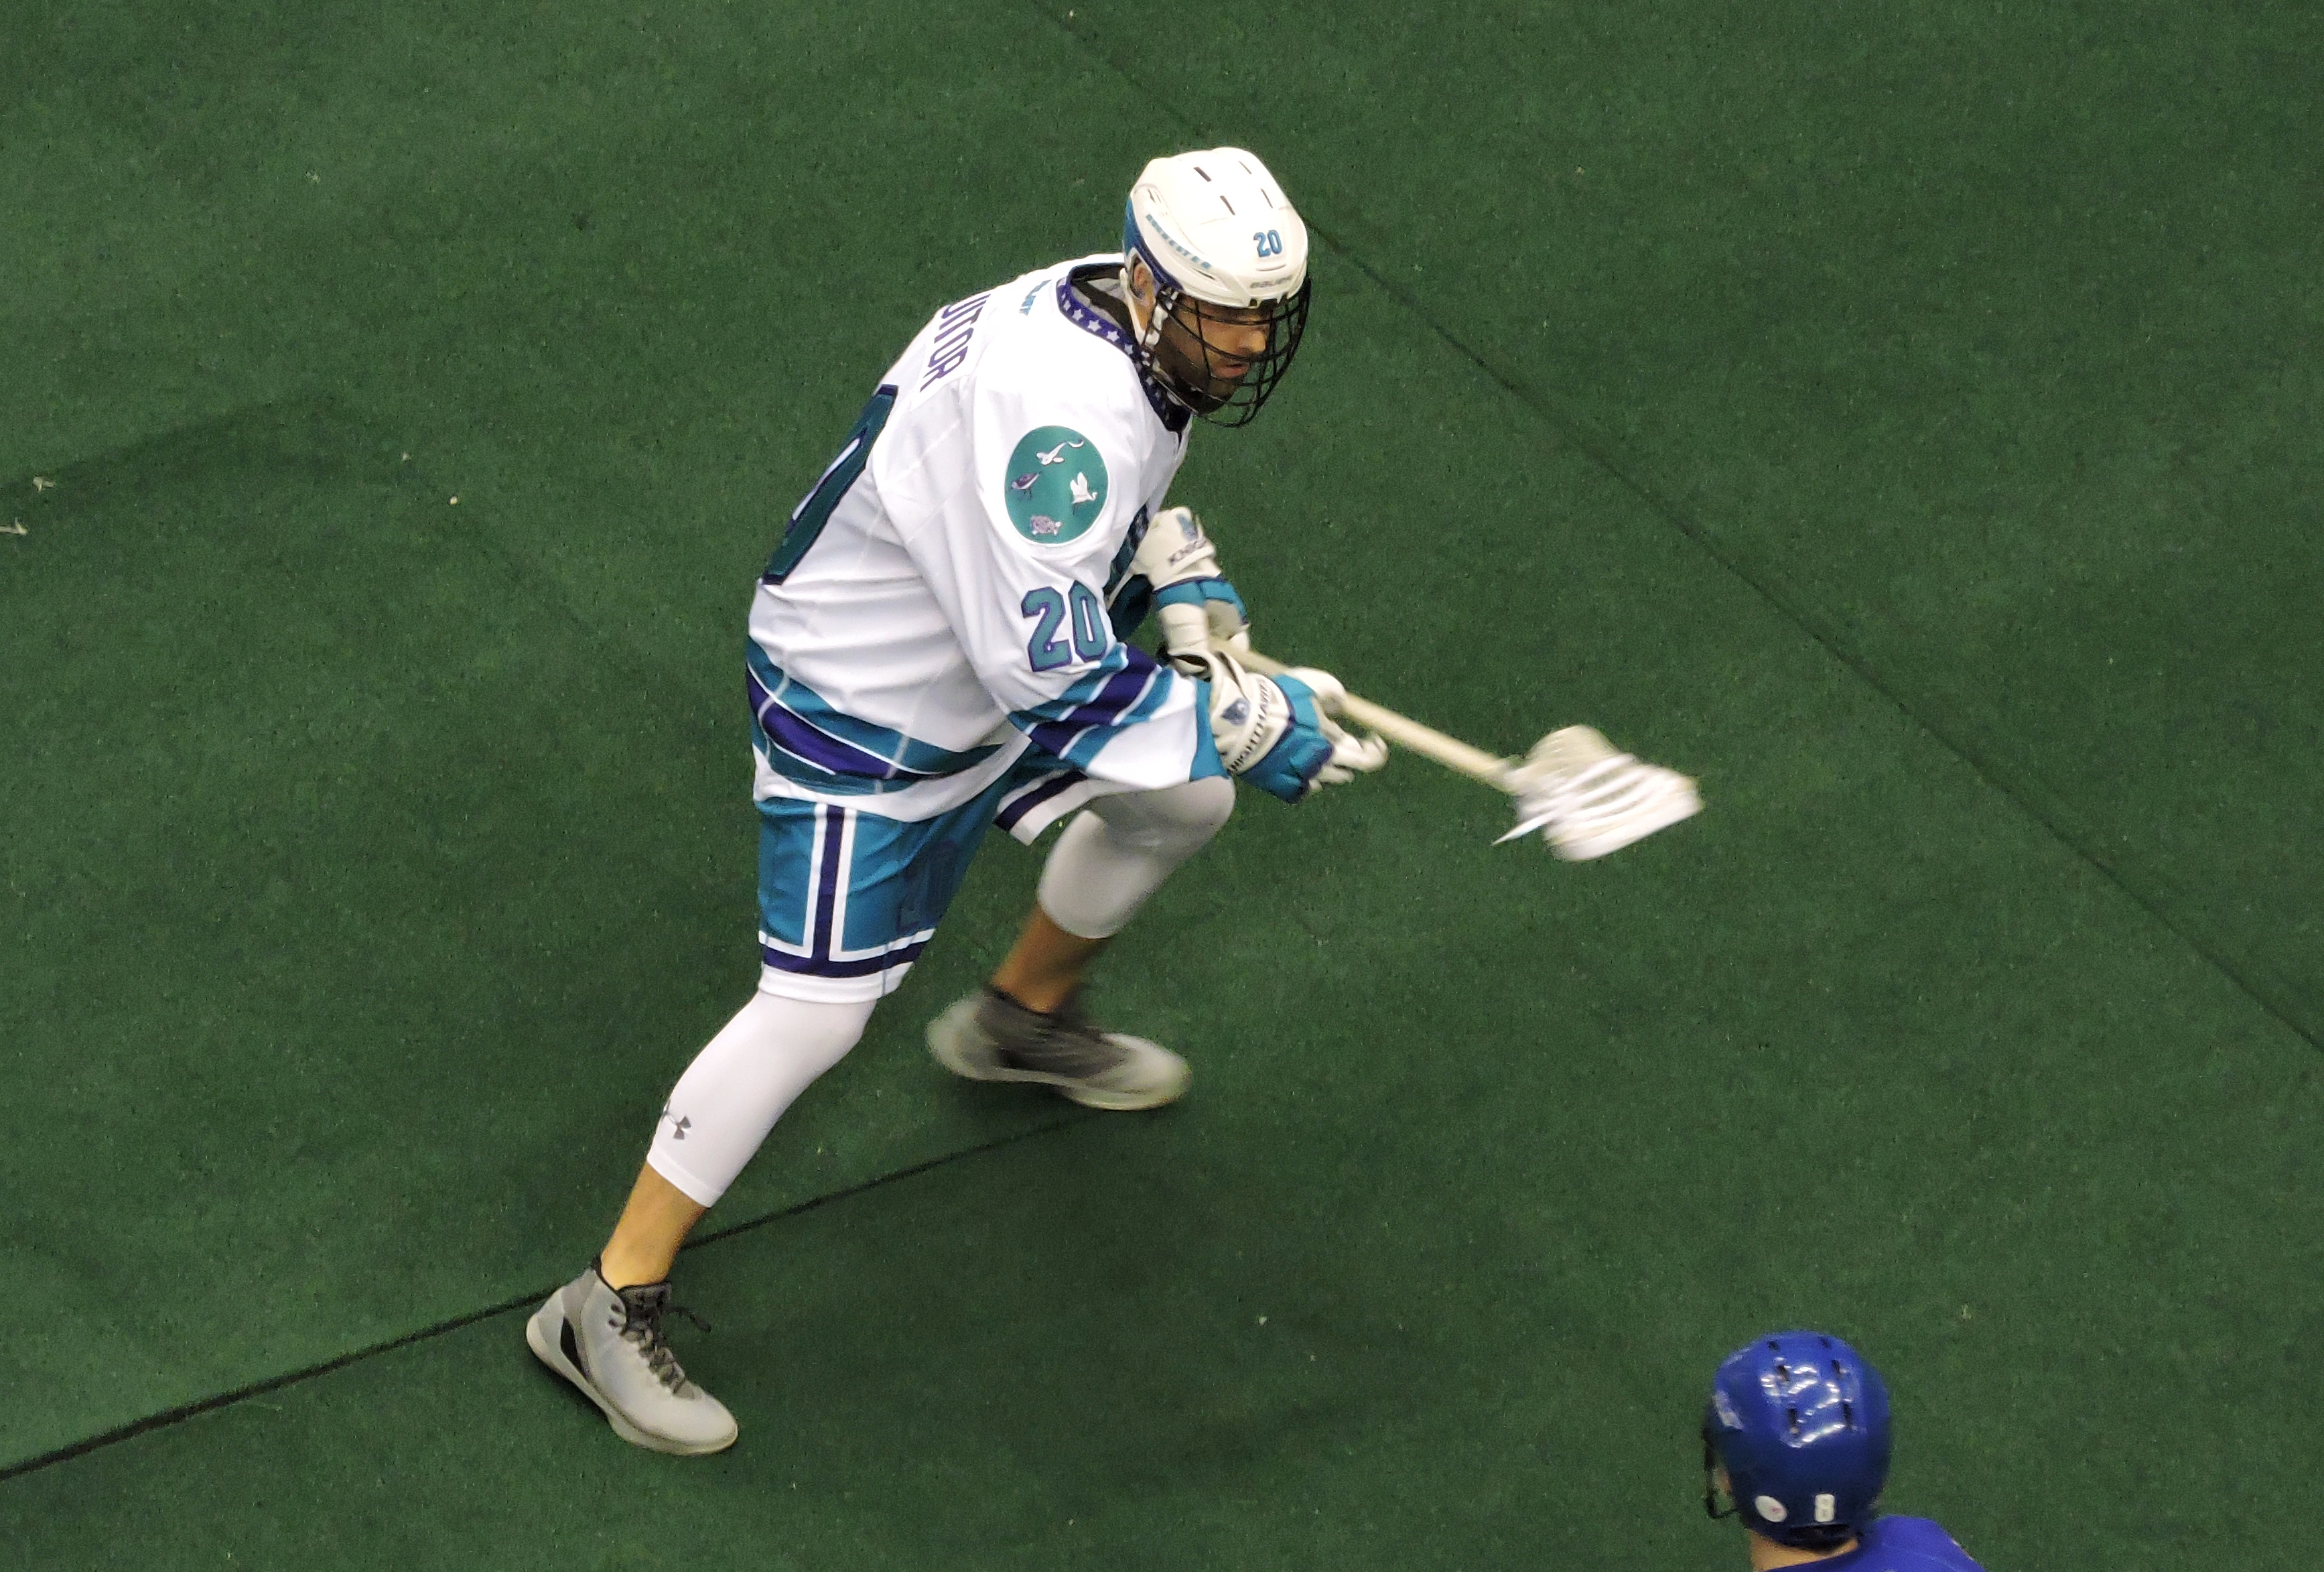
{"x":1904,"y":417}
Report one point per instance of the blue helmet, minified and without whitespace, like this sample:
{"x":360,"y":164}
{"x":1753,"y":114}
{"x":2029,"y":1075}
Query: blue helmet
{"x":1800,"y":1422}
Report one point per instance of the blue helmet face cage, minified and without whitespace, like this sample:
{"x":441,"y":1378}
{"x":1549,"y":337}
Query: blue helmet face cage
{"x":1198,"y":386}
{"x":1800,"y":1422}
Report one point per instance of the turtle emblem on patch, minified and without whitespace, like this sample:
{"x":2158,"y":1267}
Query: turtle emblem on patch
{"x":1055,"y":485}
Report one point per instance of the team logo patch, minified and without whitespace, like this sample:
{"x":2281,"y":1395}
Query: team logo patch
{"x":1055,"y":485}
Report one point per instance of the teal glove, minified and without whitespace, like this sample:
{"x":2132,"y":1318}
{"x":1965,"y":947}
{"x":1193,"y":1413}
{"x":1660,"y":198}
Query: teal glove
{"x":1274,"y":731}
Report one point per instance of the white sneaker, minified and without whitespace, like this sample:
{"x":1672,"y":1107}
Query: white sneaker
{"x":609,"y":1343}
{"x":990,"y":1037}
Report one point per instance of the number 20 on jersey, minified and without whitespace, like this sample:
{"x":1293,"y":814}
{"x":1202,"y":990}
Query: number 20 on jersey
{"x":1083,"y":618}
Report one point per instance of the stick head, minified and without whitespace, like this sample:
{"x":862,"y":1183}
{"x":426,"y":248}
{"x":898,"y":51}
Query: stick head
{"x":1588,"y":799}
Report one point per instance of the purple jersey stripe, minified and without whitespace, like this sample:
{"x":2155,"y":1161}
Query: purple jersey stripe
{"x":819,"y":748}
{"x":1120,"y":693}
{"x":1118,"y":698}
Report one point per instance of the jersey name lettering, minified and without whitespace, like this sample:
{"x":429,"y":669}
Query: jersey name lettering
{"x":956,"y":324}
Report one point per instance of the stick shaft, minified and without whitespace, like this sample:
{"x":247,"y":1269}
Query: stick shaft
{"x":1404,"y":731}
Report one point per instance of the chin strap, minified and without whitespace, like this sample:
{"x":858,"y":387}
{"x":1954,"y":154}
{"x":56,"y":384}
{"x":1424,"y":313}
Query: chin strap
{"x":1147,"y":335}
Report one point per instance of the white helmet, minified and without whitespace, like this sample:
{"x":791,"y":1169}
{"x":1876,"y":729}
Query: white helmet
{"x":1219,"y":238}
{"x":1215,"y":225}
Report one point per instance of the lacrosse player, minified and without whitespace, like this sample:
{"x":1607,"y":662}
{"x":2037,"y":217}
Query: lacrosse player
{"x":1795,"y":1435}
{"x":939,"y":643}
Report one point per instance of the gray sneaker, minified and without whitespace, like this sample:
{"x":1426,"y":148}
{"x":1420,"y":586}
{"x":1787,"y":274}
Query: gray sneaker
{"x":609,"y":1343}
{"x":990,"y":1037}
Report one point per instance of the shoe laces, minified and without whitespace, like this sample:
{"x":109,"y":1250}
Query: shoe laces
{"x":642,"y":1310}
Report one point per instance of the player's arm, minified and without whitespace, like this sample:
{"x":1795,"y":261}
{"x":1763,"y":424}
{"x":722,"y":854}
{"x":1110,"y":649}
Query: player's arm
{"x":1101,"y":704}
{"x":1122,"y":716}
{"x":1174,"y":572}
{"x":1018,"y":562}
{"x":1204,"y":630}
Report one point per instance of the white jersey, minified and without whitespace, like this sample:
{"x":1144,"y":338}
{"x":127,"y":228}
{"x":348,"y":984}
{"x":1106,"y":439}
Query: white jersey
{"x":939,"y":607}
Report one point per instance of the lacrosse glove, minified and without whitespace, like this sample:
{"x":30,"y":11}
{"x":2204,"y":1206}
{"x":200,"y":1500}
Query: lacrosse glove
{"x":1273,"y":731}
{"x":1195,"y":604}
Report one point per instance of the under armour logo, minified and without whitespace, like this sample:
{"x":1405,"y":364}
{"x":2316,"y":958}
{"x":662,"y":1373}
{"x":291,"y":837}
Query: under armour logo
{"x":678,"y":1127}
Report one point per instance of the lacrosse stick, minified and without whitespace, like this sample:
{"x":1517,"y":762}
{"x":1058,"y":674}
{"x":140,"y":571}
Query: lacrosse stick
{"x":1584,"y":796}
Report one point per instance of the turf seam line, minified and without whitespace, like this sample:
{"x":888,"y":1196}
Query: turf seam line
{"x":1583,"y":434}
{"x":2027,"y":795}
{"x":184,"y":1411}
{"x":1066,"y":1122}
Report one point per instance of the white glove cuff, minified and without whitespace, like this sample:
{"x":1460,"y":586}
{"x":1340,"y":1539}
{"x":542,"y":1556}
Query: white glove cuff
{"x":1174,"y":549}
{"x":1185,"y":635}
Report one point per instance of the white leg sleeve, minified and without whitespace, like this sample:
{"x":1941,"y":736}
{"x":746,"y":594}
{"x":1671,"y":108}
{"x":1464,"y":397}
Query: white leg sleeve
{"x":738,"y":1085}
{"x":1119,"y":849}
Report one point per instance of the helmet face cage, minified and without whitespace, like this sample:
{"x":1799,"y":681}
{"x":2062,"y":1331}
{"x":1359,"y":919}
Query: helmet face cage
{"x":1198,"y":384}
{"x":1710,"y":1507}
{"x":1194,"y":382}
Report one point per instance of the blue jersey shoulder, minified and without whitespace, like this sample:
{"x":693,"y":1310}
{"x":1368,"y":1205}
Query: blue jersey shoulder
{"x":1895,"y":1544}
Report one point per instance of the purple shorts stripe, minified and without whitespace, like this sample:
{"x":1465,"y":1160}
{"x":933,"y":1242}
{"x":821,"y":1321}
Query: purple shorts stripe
{"x":835,"y":825}
{"x":1025,"y":802}
{"x":861,"y":967}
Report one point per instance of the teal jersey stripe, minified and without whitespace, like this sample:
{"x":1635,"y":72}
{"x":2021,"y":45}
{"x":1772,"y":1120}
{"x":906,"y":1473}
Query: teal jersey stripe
{"x":1124,"y":688}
